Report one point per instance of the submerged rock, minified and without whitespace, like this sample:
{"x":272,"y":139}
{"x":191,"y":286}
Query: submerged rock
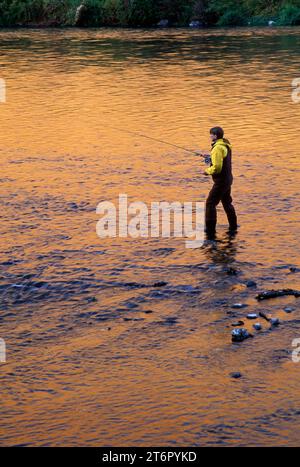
{"x":274,"y":321}
{"x":160,"y":284}
{"x":231,"y":271}
{"x":277,"y":293}
{"x":252,"y":316}
{"x":251,"y":284}
{"x":264,"y":315}
{"x":257,"y":326}
{"x":288,"y":309}
{"x":238,"y":323}
{"x":236,"y":374}
{"x":239,"y":335}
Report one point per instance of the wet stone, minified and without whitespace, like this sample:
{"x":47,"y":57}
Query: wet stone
{"x":73,"y":205}
{"x":160,"y":284}
{"x":277,"y":293}
{"x":251,"y":284}
{"x":239,"y":335}
{"x":274,"y":321}
{"x":257,"y":326}
{"x":239,"y":305}
{"x":238,"y":323}
{"x":288,"y":309}
{"x":231,"y":271}
{"x":252,"y":316}
{"x":235,"y":374}
{"x":264,"y":315}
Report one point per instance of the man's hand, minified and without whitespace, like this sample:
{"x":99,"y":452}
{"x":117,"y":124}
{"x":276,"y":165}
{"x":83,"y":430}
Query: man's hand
{"x":202,"y":154}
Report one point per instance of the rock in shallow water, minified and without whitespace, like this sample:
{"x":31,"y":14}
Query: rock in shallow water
{"x":231,"y":271}
{"x":274,"y":321}
{"x":236,"y":374}
{"x":239,"y":335}
{"x":264,"y":315}
{"x":257,"y":326}
{"x":238,"y":323}
{"x":277,"y":293}
{"x":160,"y":284}
{"x":252,"y":316}
{"x":239,"y":305}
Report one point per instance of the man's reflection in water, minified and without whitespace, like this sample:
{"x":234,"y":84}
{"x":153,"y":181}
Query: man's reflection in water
{"x":221,"y":251}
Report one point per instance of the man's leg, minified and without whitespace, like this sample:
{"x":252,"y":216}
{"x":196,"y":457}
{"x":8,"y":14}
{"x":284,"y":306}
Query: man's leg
{"x":229,"y":209}
{"x":212,"y":201}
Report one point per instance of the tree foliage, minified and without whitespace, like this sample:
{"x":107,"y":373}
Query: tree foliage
{"x":147,"y":13}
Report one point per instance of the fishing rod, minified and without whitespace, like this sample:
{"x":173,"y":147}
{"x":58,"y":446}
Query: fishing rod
{"x":157,"y":140}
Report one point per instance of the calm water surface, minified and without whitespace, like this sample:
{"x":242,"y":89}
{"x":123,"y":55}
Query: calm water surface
{"x":95,"y":354}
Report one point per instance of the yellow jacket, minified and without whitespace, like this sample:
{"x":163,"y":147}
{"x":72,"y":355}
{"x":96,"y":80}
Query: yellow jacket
{"x":218,"y":153}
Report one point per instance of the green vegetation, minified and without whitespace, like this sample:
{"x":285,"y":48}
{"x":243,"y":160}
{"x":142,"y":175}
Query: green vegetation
{"x":145,"y":13}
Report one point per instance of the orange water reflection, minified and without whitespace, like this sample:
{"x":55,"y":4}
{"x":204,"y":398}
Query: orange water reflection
{"x":77,"y":372}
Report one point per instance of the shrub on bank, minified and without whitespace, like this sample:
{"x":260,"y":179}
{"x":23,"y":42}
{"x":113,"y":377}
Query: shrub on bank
{"x":233,"y":18}
{"x":289,"y":15}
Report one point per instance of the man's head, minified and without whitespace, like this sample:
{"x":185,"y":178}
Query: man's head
{"x":216,"y":133}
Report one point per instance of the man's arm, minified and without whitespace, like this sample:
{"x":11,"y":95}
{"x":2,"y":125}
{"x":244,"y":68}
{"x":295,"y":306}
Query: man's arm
{"x":217,"y":156}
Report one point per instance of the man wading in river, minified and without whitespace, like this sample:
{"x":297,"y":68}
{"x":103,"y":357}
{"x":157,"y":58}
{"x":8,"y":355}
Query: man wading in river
{"x":221,"y":172}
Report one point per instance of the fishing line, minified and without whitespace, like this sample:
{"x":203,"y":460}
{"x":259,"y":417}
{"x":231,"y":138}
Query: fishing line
{"x":153,"y":139}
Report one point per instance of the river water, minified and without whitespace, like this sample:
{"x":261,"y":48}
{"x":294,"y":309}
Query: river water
{"x":95,"y":353}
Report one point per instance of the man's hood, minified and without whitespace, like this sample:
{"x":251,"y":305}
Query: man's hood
{"x":222,"y":142}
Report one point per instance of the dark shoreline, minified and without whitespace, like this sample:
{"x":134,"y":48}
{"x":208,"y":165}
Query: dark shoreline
{"x":140,"y":28}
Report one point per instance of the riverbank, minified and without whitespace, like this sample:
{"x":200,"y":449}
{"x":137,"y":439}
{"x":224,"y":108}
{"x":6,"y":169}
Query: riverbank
{"x":147,"y":13}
